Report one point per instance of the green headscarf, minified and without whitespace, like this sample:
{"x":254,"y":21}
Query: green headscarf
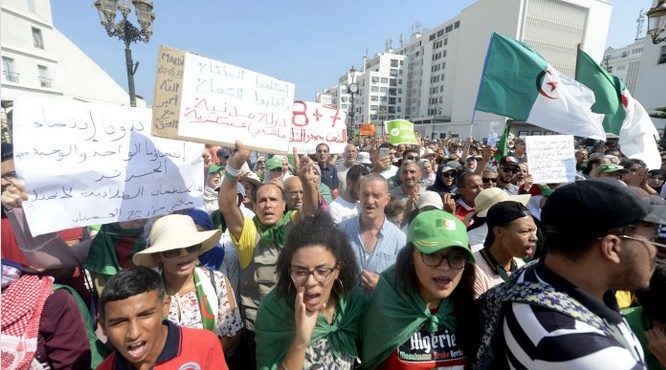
{"x":393,"y":315}
{"x":276,"y":234}
{"x":275,"y":327}
{"x":103,"y":257}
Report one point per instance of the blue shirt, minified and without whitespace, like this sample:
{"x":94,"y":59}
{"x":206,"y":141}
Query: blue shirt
{"x":329,"y":175}
{"x":389,"y":242}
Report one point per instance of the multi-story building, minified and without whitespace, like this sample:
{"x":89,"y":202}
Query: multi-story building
{"x":624,"y":63}
{"x":38,"y":60}
{"x":443,"y":65}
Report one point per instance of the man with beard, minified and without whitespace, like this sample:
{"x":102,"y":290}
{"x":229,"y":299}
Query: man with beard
{"x":259,"y":240}
{"x":346,"y":205}
{"x":409,"y":189}
{"x":508,"y":168}
{"x":375,"y":240}
{"x":599,"y":238}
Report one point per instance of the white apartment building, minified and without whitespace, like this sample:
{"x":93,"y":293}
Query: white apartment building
{"x":326,"y":97}
{"x":38,"y":60}
{"x":444,"y":64}
{"x":624,"y":63}
{"x":651,"y":81}
{"x":382,"y":88}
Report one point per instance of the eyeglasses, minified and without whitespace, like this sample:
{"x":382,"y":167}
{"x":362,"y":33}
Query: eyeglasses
{"x":448,"y":174}
{"x":489,"y":179}
{"x":176,"y":252}
{"x":10,"y":175}
{"x":412,"y":158}
{"x":321,"y":274}
{"x":455,"y":261}
{"x":658,"y":245}
{"x":509,"y":170}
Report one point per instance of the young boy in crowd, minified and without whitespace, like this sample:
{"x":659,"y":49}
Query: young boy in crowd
{"x":131,"y":311}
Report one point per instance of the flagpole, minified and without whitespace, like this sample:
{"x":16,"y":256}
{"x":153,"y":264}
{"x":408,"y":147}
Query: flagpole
{"x":478,"y":94}
{"x":576,"y":69}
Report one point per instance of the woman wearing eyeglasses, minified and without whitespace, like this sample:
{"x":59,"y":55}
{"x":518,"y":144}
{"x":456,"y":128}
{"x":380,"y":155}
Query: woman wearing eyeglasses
{"x":199,"y":298}
{"x":421,"y":315}
{"x":312,"y":317}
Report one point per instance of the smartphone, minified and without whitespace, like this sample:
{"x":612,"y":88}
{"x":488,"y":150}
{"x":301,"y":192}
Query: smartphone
{"x":384,"y":152}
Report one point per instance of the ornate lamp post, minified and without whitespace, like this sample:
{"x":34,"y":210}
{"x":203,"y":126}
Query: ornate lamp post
{"x":126,"y":31}
{"x":657,"y":22}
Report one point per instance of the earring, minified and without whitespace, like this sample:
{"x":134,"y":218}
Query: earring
{"x":341,"y":289}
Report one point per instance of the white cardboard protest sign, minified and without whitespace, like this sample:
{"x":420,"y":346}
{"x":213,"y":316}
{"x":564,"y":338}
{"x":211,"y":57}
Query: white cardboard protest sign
{"x":86,"y":164}
{"x":551,"y":158}
{"x":208,"y":101}
{"x":315,"y":123}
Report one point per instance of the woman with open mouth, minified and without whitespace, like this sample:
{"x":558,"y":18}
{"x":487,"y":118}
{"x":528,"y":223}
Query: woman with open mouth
{"x":422,"y":315}
{"x":198,"y":297}
{"x":312,"y":317}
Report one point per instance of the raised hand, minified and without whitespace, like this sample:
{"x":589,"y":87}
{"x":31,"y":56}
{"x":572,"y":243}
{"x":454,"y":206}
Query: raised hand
{"x":14,"y":194}
{"x":241,"y":154}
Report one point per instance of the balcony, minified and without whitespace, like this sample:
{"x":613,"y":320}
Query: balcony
{"x":11,"y":76}
{"x":45,"y":81}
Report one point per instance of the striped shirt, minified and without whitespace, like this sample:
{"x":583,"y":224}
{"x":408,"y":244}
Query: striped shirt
{"x":536,"y":337}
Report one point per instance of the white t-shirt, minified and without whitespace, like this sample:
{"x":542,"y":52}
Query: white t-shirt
{"x":341,"y":210}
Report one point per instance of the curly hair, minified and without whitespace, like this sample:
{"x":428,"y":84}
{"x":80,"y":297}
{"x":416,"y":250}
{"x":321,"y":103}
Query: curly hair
{"x":318,"y":230}
{"x":462,"y":296}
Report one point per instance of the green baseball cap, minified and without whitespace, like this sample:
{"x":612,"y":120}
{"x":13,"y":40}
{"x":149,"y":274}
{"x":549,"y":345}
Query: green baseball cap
{"x":612,"y":167}
{"x":215,"y":168}
{"x":434,"y":230}
{"x":274,"y":163}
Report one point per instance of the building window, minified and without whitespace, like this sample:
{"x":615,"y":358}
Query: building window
{"x":456,"y":25}
{"x":432,"y":37}
{"x":8,"y":70}
{"x":37,"y":39}
{"x":449,"y":28}
{"x":662,"y":57}
{"x":394,"y":63}
{"x":440,"y":33}
{"x":385,"y":80}
{"x":44,"y":78}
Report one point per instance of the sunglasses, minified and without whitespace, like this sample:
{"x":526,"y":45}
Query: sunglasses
{"x":448,"y":174}
{"x":176,"y":252}
{"x":509,"y":170}
{"x":489,"y":179}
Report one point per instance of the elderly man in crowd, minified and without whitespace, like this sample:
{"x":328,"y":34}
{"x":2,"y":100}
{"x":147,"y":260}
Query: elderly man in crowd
{"x":375,"y":240}
{"x":349,"y":159}
{"x":259,"y":241}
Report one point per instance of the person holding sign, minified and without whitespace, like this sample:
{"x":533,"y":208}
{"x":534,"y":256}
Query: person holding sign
{"x":260,"y":240}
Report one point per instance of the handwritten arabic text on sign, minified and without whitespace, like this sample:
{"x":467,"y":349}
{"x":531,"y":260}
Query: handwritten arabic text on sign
{"x":223,"y":103}
{"x":551,"y":158}
{"x":86,"y":164}
{"x":314,"y":123}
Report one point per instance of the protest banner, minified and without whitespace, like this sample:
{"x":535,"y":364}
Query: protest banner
{"x":208,"y":101}
{"x":551,"y":158}
{"x":401,"y":132}
{"x":314,"y":123}
{"x":367,"y":129}
{"x":87,"y":164}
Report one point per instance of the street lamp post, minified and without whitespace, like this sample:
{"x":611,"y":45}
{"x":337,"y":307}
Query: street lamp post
{"x":352,"y":89}
{"x":126,"y":31}
{"x":657,"y":22}
{"x":381,"y":114}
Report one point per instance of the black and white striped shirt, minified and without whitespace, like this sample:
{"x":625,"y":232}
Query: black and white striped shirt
{"x":536,"y":337}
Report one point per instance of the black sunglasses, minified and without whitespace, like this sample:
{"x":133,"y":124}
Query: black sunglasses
{"x":176,"y":252}
{"x":512,"y":170}
{"x":489,"y":179}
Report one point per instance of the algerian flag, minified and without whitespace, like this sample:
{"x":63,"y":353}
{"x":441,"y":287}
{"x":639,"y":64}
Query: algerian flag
{"x":625,"y":116}
{"x":517,"y":82}
{"x":401,"y":132}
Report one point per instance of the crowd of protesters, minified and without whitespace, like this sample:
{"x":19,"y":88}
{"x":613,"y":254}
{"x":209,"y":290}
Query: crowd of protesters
{"x":444,"y":255}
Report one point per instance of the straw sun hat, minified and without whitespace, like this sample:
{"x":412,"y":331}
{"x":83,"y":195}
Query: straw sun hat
{"x":174,"y":232}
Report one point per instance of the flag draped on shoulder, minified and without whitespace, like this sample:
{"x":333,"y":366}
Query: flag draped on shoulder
{"x":624,"y":115}
{"x":518,"y":83}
